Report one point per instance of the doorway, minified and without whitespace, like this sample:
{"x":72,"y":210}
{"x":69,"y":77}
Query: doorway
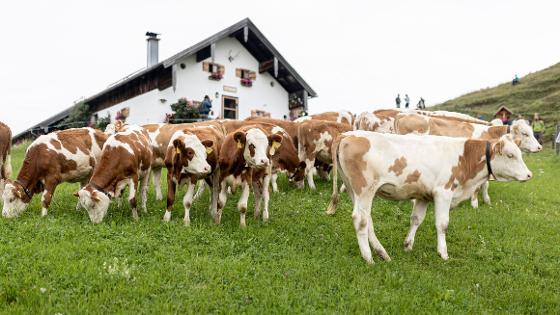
{"x":230,"y":106}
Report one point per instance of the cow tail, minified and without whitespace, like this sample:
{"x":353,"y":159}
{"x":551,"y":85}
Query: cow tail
{"x":331,"y":209}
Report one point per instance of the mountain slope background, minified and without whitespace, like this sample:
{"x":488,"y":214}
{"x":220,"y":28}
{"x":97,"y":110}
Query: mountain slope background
{"x":537,"y":92}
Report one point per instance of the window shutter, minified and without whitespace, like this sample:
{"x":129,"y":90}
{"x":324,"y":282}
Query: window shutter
{"x":252,"y":75}
{"x":221,"y":69}
{"x":206,"y":66}
{"x":238,"y":72}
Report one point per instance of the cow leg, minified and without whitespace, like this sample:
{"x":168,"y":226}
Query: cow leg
{"x":360,"y":221}
{"x":274,"y":178}
{"x":242,"y":204}
{"x":157,"y":182}
{"x":442,"y":204}
{"x":171,"y":189}
{"x":374,"y":242}
{"x":257,"y":190}
{"x":144,"y":190}
{"x":222,"y":199}
{"x":416,"y":219}
{"x":474,"y":200}
{"x":265,"y":196}
{"x":214,"y":193}
{"x":132,"y":187}
{"x":46,"y":197}
{"x":485,"y":194}
{"x":309,"y":172}
{"x":200,"y":187}
{"x":187,"y":201}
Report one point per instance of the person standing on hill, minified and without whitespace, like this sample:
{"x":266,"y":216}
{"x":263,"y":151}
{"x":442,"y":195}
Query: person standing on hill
{"x":398,"y":101}
{"x":538,"y":127}
{"x":406,"y":101}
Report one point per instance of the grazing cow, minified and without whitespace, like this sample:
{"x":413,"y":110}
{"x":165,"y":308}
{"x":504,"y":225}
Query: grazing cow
{"x":343,"y":117}
{"x":315,"y":138}
{"x":192,"y":154}
{"x":125,"y":160}
{"x":394,"y":167}
{"x":5,"y":160}
{"x":522,"y":135}
{"x":247,"y":153}
{"x":61,"y":156}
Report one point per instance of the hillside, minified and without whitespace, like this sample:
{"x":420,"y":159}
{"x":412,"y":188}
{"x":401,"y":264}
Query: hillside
{"x":537,"y":92}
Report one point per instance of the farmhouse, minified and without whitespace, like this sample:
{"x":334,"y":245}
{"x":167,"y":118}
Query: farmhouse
{"x":238,"y":68}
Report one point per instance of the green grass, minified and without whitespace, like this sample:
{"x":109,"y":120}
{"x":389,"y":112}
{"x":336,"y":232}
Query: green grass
{"x":504,"y":258}
{"x":538,"y":92}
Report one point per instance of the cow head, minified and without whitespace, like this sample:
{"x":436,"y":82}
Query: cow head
{"x":95,"y":202}
{"x":523,"y":136}
{"x":257,"y":146}
{"x":507,"y":161}
{"x":15,"y":199}
{"x":191,"y":154}
{"x":299,"y":174}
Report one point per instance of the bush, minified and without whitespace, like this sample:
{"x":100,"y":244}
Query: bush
{"x":103,"y":122}
{"x":183,"y":111}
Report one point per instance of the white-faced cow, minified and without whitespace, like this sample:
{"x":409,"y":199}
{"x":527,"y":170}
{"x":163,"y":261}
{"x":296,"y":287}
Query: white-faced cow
{"x":125,"y":160}
{"x":425,"y":168}
{"x":247,"y":153}
{"x":61,"y":156}
{"x":5,"y":156}
{"x":192,"y":154}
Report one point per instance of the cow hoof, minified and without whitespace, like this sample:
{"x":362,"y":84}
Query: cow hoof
{"x":474,"y":203}
{"x":167,"y":216}
{"x":187,"y":222}
{"x":444,"y":256}
{"x":408,"y":245}
{"x":487,"y":201}
{"x":44,"y":212}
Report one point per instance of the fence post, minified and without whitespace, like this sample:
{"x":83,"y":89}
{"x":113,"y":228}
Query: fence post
{"x":555,"y":144}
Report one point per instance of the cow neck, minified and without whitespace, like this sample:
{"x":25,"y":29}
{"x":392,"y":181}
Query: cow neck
{"x":488,"y":158}
{"x":99,"y":188}
{"x":23,"y":185}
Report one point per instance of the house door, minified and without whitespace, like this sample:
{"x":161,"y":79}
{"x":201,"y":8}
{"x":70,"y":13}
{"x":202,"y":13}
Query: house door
{"x":230,"y":107}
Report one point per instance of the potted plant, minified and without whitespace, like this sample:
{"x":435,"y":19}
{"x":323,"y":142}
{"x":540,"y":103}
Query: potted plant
{"x":217,"y":76}
{"x":246,"y":82}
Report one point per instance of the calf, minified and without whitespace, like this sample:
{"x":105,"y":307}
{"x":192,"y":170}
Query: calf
{"x":125,"y":160}
{"x":61,"y":156}
{"x":426,"y":168}
{"x":5,"y":160}
{"x":315,"y":138}
{"x":247,"y":153}
{"x":342,"y":117}
{"x":521,"y":132}
{"x":192,"y":154}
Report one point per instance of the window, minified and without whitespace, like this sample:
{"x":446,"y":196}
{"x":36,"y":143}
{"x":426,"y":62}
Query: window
{"x":229,"y":107}
{"x":245,"y":74}
{"x":216,"y":70}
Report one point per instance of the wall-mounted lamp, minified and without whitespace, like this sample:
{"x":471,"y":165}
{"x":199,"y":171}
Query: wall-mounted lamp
{"x":272,"y":83}
{"x":217,"y":95}
{"x":183,"y":66}
{"x":162,"y":100}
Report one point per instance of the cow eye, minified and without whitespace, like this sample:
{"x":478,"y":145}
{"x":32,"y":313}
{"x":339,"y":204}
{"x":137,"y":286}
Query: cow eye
{"x":525,"y":134}
{"x":510,"y":155}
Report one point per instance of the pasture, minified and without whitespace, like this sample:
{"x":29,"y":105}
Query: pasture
{"x":504,"y":258}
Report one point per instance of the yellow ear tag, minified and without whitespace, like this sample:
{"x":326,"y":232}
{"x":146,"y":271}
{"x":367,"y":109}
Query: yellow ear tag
{"x":276,"y":144}
{"x":178,"y":151}
{"x":209,"y":150}
{"x":239,"y":145}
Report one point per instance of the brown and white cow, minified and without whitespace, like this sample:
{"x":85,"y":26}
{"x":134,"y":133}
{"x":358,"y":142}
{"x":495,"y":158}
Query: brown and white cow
{"x":247,"y":153}
{"x":449,"y":126}
{"x":342,"y":117}
{"x":61,"y":156}
{"x":125,"y":160}
{"x":192,"y":154}
{"x":381,"y":120}
{"x":315,"y":139}
{"x":5,"y":156}
{"x":444,"y":170}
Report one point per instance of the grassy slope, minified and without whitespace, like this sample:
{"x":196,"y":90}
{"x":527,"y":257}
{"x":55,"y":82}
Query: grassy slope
{"x":504,"y":257}
{"x":537,"y":92}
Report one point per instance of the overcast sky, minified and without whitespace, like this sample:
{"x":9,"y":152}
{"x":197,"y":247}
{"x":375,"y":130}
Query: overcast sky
{"x":357,"y":55}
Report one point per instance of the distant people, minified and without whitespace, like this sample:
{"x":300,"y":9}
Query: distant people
{"x":421,"y":104}
{"x":515,"y":80}
{"x":205,"y":107}
{"x":538,"y":127}
{"x":398,"y":101}
{"x":406,"y":101}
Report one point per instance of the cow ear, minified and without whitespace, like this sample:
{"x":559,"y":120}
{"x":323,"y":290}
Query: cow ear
{"x":19,"y":194}
{"x":275,"y":140}
{"x":239,"y":138}
{"x":499,"y":147}
{"x":95,"y":196}
{"x":178,"y":145}
{"x":208,"y":144}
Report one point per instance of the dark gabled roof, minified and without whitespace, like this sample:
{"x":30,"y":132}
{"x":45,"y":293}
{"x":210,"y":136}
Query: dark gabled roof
{"x":257,"y":45}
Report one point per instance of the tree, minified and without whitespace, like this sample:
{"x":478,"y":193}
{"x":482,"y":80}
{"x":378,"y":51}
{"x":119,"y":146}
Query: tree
{"x":102,"y":122}
{"x":183,"y":111}
{"x":79,"y":116}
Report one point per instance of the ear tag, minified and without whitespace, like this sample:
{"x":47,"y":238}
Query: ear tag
{"x":209,"y":150}
{"x":239,"y":145}
{"x":19,"y":195}
{"x":178,"y":151}
{"x":276,"y":144}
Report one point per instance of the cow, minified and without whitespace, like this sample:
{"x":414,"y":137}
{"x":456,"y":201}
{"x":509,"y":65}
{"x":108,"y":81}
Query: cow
{"x":342,"y":117}
{"x":5,"y":155}
{"x":445,"y":126}
{"x":246,"y":153}
{"x":392,"y":167}
{"x":315,"y":138}
{"x":61,"y":156}
{"x":192,"y":154}
{"x":126,"y":159}
{"x":381,"y":120}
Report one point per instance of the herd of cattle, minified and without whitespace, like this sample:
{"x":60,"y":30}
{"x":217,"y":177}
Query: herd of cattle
{"x":444,"y":157}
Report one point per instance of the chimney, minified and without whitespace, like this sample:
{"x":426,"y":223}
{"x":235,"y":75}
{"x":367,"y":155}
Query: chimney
{"x":152,"y":48}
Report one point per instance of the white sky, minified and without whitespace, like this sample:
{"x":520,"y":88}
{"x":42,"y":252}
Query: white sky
{"x":357,"y":55}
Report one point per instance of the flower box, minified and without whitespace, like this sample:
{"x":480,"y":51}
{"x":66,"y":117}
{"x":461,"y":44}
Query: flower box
{"x":217,"y":76}
{"x":246,"y":82}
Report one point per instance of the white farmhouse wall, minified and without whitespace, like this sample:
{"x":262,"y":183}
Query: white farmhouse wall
{"x":193,"y":84}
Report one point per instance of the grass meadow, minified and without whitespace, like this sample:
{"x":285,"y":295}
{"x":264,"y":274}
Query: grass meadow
{"x":504,"y":258}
